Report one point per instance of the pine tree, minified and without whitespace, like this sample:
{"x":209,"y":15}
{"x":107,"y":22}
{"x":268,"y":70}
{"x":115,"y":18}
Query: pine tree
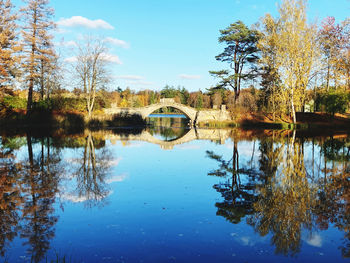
{"x":38,"y":49}
{"x":240,"y":51}
{"x":8,"y":44}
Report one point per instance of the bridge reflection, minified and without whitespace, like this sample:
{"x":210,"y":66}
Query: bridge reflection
{"x":216,"y":135}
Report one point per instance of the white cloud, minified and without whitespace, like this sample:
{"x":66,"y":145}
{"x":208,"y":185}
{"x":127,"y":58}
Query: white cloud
{"x":79,"y":21}
{"x":61,"y":31}
{"x":129,"y":77}
{"x":104,"y":56}
{"x":111,"y":58}
{"x":71,"y":59}
{"x":114,"y":162}
{"x":75,"y":198}
{"x":186,"y":76}
{"x":117,"y":42}
{"x":116,"y":178}
{"x":67,"y":44}
{"x":246,"y":241}
{"x":315,"y":240}
{"x":70,"y":44}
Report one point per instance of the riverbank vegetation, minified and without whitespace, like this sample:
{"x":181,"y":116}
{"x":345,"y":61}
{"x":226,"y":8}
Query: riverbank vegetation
{"x":277,"y":69}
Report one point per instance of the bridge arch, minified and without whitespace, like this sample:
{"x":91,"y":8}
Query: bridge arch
{"x":188,"y":111}
{"x":193,"y":114}
{"x":189,"y":115}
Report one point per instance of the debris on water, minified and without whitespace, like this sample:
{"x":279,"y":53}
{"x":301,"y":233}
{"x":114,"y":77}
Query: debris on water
{"x":181,"y":235}
{"x":233,"y":234}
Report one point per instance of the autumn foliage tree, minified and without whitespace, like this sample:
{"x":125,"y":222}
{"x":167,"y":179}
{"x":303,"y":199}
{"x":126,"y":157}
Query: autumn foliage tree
{"x":290,"y":49}
{"x":38,"y":51}
{"x":332,"y":39}
{"x":8,"y":44}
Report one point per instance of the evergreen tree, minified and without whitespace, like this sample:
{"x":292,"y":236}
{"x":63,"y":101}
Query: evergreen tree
{"x":241,"y":50}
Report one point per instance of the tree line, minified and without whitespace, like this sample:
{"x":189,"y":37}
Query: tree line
{"x":280,"y":65}
{"x":294,"y":61}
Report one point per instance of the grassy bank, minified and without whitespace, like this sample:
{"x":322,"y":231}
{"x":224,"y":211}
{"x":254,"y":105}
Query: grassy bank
{"x":305,"y":121}
{"x":69,"y":121}
{"x":74,"y":121}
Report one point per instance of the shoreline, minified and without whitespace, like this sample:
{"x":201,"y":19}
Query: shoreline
{"x":77,"y":120}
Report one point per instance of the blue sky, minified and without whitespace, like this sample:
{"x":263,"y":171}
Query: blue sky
{"x":159,"y":42}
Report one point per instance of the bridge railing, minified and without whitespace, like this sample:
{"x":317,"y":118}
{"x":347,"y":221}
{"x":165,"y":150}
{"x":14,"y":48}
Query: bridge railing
{"x":167,"y":100}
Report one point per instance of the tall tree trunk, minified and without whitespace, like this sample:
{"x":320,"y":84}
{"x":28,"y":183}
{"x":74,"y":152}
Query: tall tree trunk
{"x":328,"y":73}
{"x":293,"y":107}
{"x":42,"y":88}
{"x":30,"y":96}
{"x":32,"y":64}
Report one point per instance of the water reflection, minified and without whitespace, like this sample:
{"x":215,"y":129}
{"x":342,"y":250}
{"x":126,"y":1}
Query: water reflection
{"x":92,"y":171}
{"x":168,"y":128}
{"x":289,"y":188}
{"x":39,"y":180}
{"x":238,"y":196}
{"x":10,"y":193}
{"x":282,"y":196}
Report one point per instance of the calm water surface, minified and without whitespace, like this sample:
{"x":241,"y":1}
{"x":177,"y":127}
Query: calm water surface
{"x":170,"y":194}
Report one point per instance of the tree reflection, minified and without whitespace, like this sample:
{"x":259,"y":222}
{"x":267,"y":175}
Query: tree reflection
{"x":285,"y":202}
{"x":168,"y":128}
{"x":40,"y":180}
{"x":338,"y":192}
{"x":238,"y":197}
{"x":92,"y":172}
{"x":10,"y":195}
{"x":334,"y":193}
{"x":29,"y":187}
{"x":279,"y":198}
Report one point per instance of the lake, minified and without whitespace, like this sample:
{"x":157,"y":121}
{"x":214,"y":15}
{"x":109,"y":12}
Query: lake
{"x":174,"y":194}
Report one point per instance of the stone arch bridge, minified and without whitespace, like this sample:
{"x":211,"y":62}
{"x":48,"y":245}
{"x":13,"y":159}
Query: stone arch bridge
{"x":193,"y":114}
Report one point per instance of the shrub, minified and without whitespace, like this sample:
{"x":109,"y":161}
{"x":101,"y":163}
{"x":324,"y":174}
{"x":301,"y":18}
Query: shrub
{"x":247,"y":102}
{"x":68,"y":104}
{"x":14,"y":102}
{"x":335,"y":102}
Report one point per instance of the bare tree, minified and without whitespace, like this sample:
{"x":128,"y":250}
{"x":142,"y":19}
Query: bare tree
{"x":91,"y":69}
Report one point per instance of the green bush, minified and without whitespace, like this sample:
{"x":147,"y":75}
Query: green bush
{"x":68,"y":104}
{"x":43,"y":105}
{"x":14,"y":102}
{"x":335,"y":102}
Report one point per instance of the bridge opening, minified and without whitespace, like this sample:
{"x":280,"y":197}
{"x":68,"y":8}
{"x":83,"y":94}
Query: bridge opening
{"x":168,"y":123}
